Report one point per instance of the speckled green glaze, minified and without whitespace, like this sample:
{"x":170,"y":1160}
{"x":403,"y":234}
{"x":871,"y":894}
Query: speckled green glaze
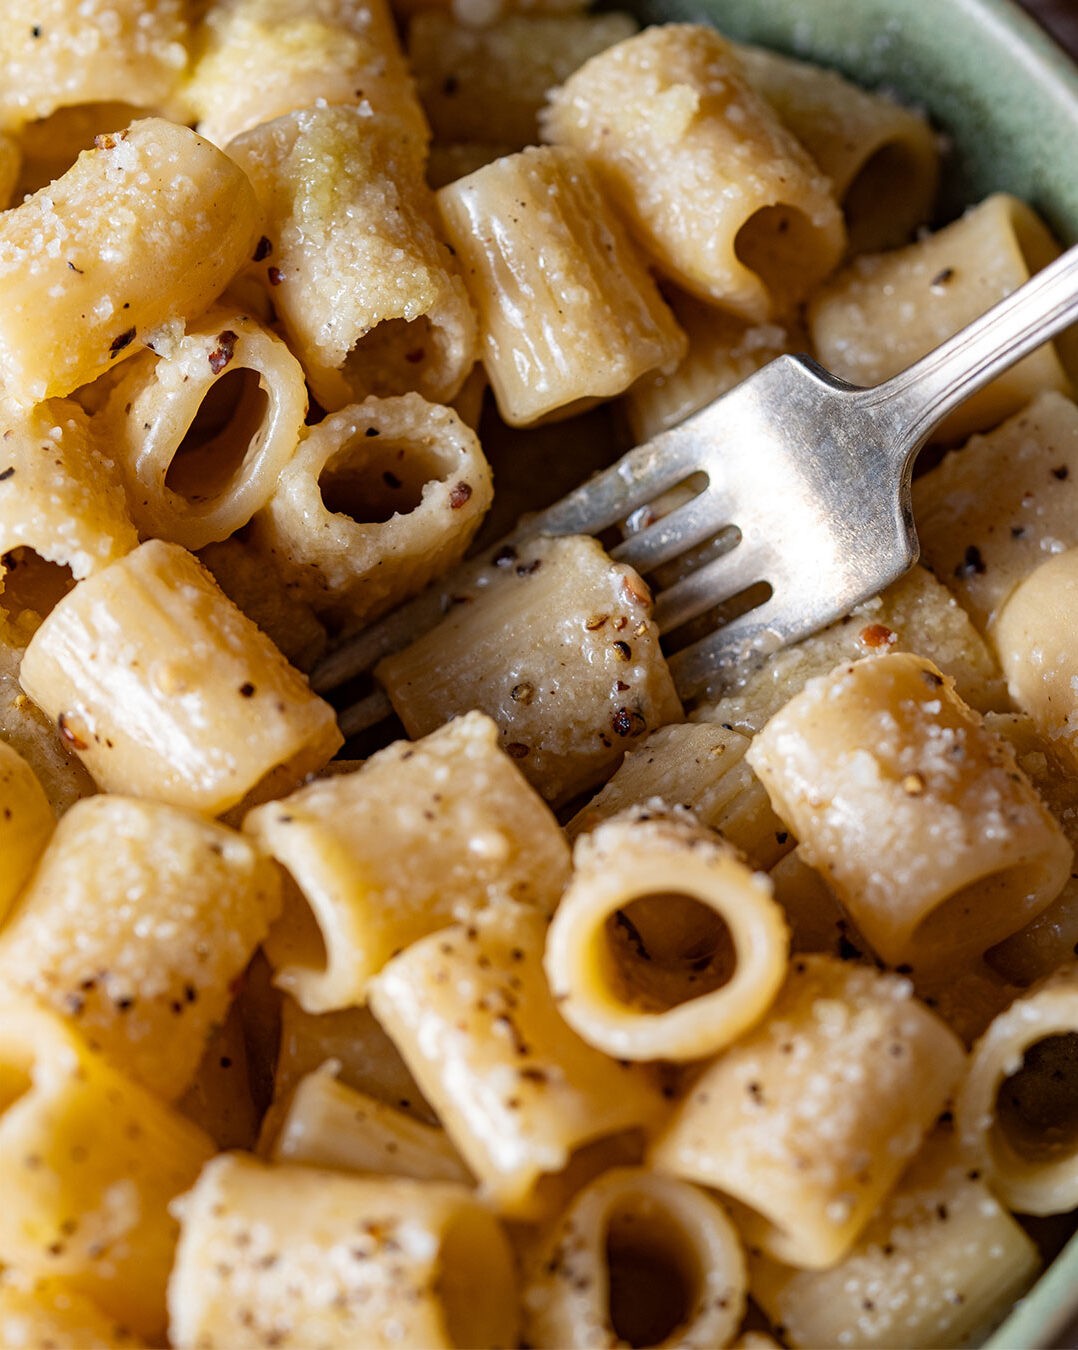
{"x":1007,"y":98}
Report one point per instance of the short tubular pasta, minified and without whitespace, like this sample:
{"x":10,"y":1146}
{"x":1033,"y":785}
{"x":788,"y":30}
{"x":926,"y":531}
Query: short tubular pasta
{"x":260,"y":59}
{"x":724,"y":199}
{"x":98,"y":52}
{"x":537,"y":241}
{"x":1022,"y":475}
{"x":26,"y":822}
{"x":422,"y":835}
{"x":379,"y":499}
{"x":699,"y":765}
{"x":517,"y":1090}
{"x":166,"y":690}
{"x":1017,"y":1113}
{"x":807,"y":1122}
{"x":328,"y":1124}
{"x":304,"y":1257}
{"x":49,"y":1312}
{"x":202,"y":431}
{"x":919,"y":818}
{"x":884,"y":310}
{"x":343,"y":193}
{"x":939,"y":1263}
{"x":882,"y":158}
{"x":89,"y":1162}
{"x":664,"y":945}
{"x":146,"y":977}
{"x":638,"y":1258}
{"x":60,"y":496}
{"x":1034,"y":636}
{"x":74,"y":307}
{"x":586,"y":679}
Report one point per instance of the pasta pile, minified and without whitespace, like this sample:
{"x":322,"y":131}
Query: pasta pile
{"x":576,"y":1017}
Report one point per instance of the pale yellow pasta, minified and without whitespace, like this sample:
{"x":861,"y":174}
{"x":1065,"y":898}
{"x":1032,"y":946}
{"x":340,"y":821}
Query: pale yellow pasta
{"x":51,"y":145}
{"x":887,"y":309}
{"x":421,"y":836}
{"x":89,"y":1161}
{"x":882,"y":158}
{"x":26,"y":728}
{"x":724,"y":199}
{"x":26,"y":822}
{"x":81,"y":261}
{"x":343,"y":194}
{"x":242,"y":574}
{"x":301,"y":1257}
{"x":568,"y":312}
{"x":916,"y":614}
{"x":638,"y":1258}
{"x":516,"y":1089}
{"x":1051,"y":938}
{"x":989,"y":514}
{"x":917,"y":816}
{"x":379,"y":499}
{"x":585,"y":677}
{"x":96,"y":51}
{"x":664,"y":945}
{"x":145,"y":976}
{"x":939,"y":1264}
{"x":203,"y":426}
{"x":37,"y":1314}
{"x":1034,"y":635}
{"x":260,"y":59}
{"x":807,"y":1122}
{"x":329,"y":1124}
{"x":699,"y":765}
{"x":471,"y":79}
{"x":723,"y":350}
{"x":165,"y":690}
{"x":1017,"y":1112}
{"x":60,"y":496}
{"x":363,"y":1055}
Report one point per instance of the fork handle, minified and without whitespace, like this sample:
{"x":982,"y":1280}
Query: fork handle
{"x":920,"y":397}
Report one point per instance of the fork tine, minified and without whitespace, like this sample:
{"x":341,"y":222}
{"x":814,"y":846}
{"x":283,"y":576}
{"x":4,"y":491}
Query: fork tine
{"x":674,"y":534}
{"x":750,"y":561}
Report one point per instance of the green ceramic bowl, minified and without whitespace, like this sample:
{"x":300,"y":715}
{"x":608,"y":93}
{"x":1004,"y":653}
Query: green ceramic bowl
{"x":1008,"y":98}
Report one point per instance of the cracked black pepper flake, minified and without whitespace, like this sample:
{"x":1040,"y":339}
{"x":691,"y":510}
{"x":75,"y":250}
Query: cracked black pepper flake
{"x":6,"y":474}
{"x":223,"y":353}
{"x":1062,"y":473}
{"x":972,"y":563}
{"x":68,"y":732}
{"x":262,"y":250}
{"x":628,"y":722}
{"x":247,"y":690}
{"x":273,"y":276}
{"x":505,"y":555}
{"x":523,"y":693}
{"x":121,"y":341}
{"x":516,"y":750}
{"x":942,"y":278}
{"x":459,"y":493}
{"x":623,"y":651}
{"x":391,"y":480}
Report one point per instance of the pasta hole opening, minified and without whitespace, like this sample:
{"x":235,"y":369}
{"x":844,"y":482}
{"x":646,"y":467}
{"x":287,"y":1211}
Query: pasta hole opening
{"x":881,"y":204}
{"x":653,"y":1274}
{"x":51,"y":145}
{"x":474,"y":1280}
{"x":226,"y":433}
{"x":774,"y":243}
{"x":383,"y":479}
{"x":32,"y":584}
{"x":296,"y":938}
{"x":974,"y":917}
{"x":665,"y":950}
{"x":1036,"y":1112}
{"x":389,"y":358}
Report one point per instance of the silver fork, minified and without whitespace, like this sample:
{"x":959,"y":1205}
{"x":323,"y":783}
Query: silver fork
{"x":808,"y":490}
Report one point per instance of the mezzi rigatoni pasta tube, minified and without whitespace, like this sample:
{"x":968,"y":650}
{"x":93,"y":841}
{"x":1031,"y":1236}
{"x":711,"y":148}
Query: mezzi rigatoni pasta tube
{"x":165,"y":690}
{"x":664,"y":944}
{"x":89,"y":1163}
{"x":568,"y":312}
{"x":723,"y":198}
{"x":806,"y":1123}
{"x":196,"y":486}
{"x":135,"y":925}
{"x":343,"y":192}
{"x":81,"y":261}
{"x":26,"y":822}
{"x":916,"y":815}
{"x":297,"y":1256}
